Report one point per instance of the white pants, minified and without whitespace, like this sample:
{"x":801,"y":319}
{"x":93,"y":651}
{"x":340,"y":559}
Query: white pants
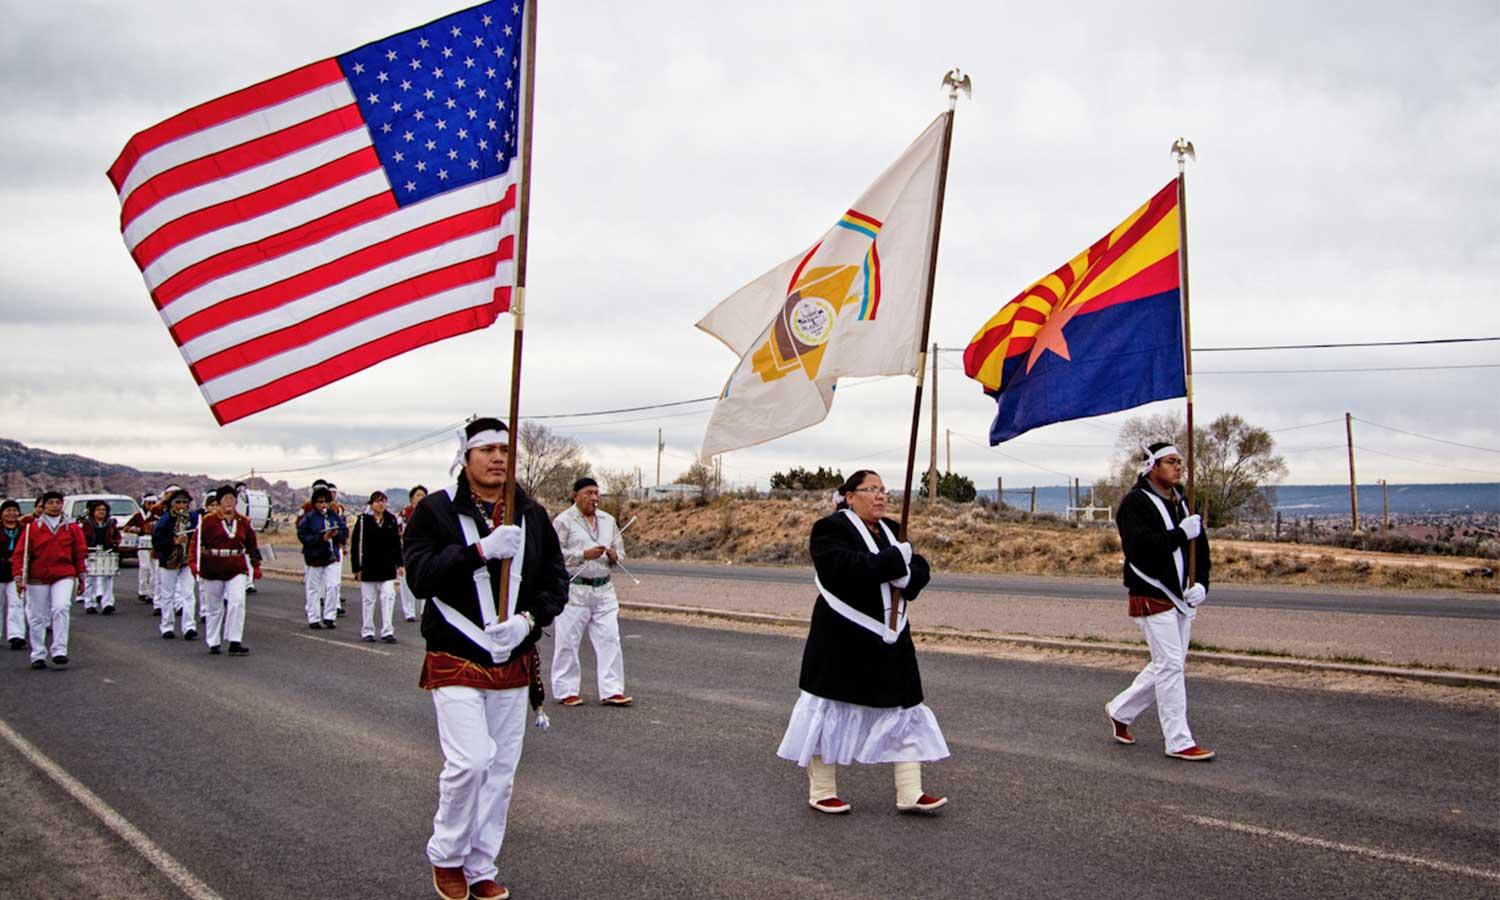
{"x":100,"y":590}
{"x":480,"y":732}
{"x":369,"y":592}
{"x":145,"y":574}
{"x":411,"y":607}
{"x":1167,"y":635}
{"x":49,"y":605}
{"x":597,"y":611}
{"x":224,"y":604}
{"x":15,"y":611}
{"x":321,"y":584}
{"x":174,"y":594}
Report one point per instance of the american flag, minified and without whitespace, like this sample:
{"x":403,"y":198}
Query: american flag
{"x":313,"y":225}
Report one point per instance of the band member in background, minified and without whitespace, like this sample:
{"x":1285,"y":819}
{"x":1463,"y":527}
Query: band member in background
{"x":242,"y":501}
{"x":861,"y":695}
{"x":15,"y":604}
{"x":101,"y":534}
{"x":591,"y":544}
{"x":225,"y":556}
{"x":1155,"y":533}
{"x":171,"y":541}
{"x":140,"y":526}
{"x":411,"y":606}
{"x":480,"y":655}
{"x":48,"y":567}
{"x":375,"y":557}
{"x":323,"y":535}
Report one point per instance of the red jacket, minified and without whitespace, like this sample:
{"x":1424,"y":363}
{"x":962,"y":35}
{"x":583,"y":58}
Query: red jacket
{"x":212,"y":562}
{"x":53,"y":556}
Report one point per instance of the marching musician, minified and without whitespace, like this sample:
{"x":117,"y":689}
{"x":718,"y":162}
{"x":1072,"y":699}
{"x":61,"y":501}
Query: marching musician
{"x":171,"y":541}
{"x":242,"y":500}
{"x":140,"y":525}
{"x":323,"y":534}
{"x":480,"y":658}
{"x":15,"y":606}
{"x":375,"y":557}
{"x":225,"y":555}
{"x":410,"y":606}
{"x":591,"y":545}
{"x":48,"y":566}
{"x":103,"y":538}
{"x":861,"y":697}
{"x":1155,"y":533}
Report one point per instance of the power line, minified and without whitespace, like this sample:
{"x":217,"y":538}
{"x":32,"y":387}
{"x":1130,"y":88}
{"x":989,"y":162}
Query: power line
{"x":1328,"y":346}
{"x":446,"y":429}
{"x":1427,"y":462}
{"x":1371,"y":369}
{"x":627,"y":409}
{"x":1308,"y":425}
{"x":1426,"y":437}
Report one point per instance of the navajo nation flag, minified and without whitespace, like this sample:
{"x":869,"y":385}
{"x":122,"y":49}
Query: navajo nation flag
{"x":1101,"y":334}
{"x":316,"y":224}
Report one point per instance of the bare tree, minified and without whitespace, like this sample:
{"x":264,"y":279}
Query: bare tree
{"x":1236,"y":467}
{"x":548,"y":462}
{"x":701,"y":473}
{"x":618,"y":483}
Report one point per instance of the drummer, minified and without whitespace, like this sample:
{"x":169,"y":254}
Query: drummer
{"x":140,"y":526}
{"x":103,"y":538}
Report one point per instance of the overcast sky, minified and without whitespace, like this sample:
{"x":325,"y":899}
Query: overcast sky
{"x":1347,"y":189}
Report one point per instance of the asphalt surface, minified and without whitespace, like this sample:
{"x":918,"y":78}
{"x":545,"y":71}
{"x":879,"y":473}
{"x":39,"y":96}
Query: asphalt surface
{"x":1452,"y":605}
{"x":308,"y":769}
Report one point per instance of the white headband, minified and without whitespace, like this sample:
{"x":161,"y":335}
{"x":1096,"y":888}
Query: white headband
{"x":1152,"y":458}
{"x":467,"y":443}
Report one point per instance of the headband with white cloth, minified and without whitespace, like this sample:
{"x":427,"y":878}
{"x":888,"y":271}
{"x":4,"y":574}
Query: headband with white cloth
{"x":467,"y":442}
{"x":1151,"y":459}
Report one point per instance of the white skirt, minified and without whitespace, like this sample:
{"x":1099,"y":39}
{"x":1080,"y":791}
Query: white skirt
{"x":841,"y":733}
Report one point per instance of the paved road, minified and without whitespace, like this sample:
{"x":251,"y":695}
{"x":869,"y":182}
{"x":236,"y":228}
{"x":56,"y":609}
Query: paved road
{"x":1452,"y":605}
{"x":307,"y":770}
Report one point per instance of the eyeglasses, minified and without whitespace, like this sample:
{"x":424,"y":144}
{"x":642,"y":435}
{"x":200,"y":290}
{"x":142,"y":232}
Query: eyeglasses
{"x":876,"y":491}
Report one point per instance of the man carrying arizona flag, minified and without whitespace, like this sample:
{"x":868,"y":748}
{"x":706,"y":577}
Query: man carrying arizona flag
{"x":1155,"y":532}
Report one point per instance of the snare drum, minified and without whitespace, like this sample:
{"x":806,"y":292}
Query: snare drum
{"x":102,"y":562}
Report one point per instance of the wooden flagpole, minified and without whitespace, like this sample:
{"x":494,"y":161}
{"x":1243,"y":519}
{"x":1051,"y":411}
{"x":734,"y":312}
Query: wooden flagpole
{"x":1183,"y":149}
{"x":954,"y":81}
{"x":518,"y":292}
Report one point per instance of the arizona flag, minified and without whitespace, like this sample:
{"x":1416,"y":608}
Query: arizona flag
{"x":850,"y":305}
{"x":1101,"y":334}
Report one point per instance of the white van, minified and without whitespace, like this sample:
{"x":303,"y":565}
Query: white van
{"x":121,"y":509}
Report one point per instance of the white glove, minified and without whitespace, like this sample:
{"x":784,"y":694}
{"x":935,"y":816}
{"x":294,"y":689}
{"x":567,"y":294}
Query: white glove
{"x":508,"y":635}
{"x":905,"y":549}
{"x":1192,"y":526}
{"x":1194,"y":595}
{"x":502,"y":543}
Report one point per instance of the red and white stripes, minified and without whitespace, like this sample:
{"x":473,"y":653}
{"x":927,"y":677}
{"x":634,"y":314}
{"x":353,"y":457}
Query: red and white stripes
{"x":270,"y":239}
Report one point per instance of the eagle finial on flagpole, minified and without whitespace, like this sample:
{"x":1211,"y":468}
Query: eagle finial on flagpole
{"x":1182,"y":148}
{"x":953,"y":82}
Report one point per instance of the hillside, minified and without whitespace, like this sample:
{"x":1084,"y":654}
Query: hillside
{"x":27,"y":471}
{"x":972,"y":538}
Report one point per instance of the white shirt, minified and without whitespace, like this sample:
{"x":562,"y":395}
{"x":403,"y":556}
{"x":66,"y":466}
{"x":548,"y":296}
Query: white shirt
{"x":576,"y":534}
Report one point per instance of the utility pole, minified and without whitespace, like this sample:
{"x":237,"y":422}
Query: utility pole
{"x":999,"y":492}
{"x":932,"y":478}
{"x":1385,"y":506}
{"x":1353,"y":494}
{"x":659,"y":448}
{"x":1033,"y":499}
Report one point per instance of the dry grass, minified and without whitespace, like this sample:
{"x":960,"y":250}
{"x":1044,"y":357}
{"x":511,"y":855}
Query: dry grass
{"x":970,"y":538}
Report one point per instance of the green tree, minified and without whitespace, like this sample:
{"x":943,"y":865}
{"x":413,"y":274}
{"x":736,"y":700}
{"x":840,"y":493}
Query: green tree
{"x":951,"y":486}
{"x":800,"y":479}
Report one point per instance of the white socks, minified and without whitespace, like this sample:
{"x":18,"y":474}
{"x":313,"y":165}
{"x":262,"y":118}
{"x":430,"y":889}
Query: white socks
{"x":908,"y":783}
{"x":822,"y":780}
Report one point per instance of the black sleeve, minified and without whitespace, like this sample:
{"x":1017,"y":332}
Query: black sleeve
{"x":1204,"y":565}
{"x":1142,"y":536}
{"x":921,"y":574}
{"x":357,"y":548}
{"x":550,"y":590}
{"x":433,"y":564}
{"x":836,"y":561}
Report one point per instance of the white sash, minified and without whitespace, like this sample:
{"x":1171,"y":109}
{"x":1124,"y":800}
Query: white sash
{"x":1166,"y":517}
{"x":863,"y":620}
{"x":486,"y":596}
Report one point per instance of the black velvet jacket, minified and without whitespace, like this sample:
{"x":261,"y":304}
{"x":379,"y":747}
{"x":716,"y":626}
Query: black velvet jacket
{"x":1148,"y":542}
{"x":842,"y":660}
{"x":441,"y":564}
